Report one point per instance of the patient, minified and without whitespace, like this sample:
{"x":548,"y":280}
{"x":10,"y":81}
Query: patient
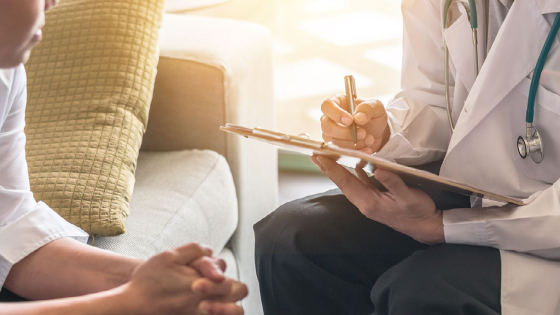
{"x":42,"y":257}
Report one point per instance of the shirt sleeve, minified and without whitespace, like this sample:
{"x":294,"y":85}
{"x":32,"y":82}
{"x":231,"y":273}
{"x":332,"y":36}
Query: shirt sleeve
{"x":417,"y":115}
{"x":500,"y":227}
{"x":25,"y":225}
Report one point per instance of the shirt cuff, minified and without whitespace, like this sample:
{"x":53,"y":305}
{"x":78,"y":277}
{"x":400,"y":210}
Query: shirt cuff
{"x":30,"y":232}
{"x":397,"y":146}
{"x":465,"y":226}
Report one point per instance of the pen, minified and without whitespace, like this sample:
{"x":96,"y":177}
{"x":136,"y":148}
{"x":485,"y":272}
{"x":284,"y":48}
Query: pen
{"x":351,"y":95}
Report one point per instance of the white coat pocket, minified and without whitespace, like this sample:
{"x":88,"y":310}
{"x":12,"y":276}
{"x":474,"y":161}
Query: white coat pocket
{"x":547,"y":121}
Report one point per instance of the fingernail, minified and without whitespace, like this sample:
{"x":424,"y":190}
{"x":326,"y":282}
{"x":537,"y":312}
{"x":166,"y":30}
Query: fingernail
{"x":218,"y":272}
{"x":361,"y":134}
{"x":361,"y":118}
{"x":369,"y":140}
{"x":198,"y":287}
{"x":204,"y":307}
{"x":346,"y":121}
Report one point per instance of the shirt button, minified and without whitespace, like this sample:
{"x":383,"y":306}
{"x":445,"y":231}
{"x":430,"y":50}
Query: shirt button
{"x":393,"y":147}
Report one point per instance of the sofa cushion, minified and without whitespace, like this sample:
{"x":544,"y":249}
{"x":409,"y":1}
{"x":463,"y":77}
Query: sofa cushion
{"x":179,"y":197}
{"x":90,"y":87}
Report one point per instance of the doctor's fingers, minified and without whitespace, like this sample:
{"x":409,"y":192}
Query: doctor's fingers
{"x":352,"y":187}
{"x":349,"y":144}
{"x":336,"y":108}
{"x":362,"y":175}
{"x":374,"y":122}
{"x":392,"y":182}
{"x":334,"y":130}
{"x":368,"y":110}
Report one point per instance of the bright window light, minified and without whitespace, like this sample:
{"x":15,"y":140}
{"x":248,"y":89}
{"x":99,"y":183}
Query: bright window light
{"x":389,"y":56}
{"x":356,"y":28}
{"x":313,"y":77}
{"x":322,"y":6}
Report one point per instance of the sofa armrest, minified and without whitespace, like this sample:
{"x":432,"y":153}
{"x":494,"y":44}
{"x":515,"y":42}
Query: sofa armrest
{"x":213,"y":72}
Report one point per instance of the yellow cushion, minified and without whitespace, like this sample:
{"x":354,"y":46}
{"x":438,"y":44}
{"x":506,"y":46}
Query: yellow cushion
{"x":90,"y":86}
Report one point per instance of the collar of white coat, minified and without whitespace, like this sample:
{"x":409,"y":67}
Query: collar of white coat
{"x":548,"y":6}
{"x":512,"y":58}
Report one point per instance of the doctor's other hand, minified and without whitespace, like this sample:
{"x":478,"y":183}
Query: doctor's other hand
{"x":167,"y":284}
{"x":407,"y":210}
{"x":370,"y":117}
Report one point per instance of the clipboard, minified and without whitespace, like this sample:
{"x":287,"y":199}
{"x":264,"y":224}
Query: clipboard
{"x":353,"y":158}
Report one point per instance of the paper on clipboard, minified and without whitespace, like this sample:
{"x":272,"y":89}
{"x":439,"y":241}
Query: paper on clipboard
{"x":351,"y":158}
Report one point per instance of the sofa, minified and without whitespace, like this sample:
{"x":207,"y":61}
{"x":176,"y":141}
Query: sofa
{"x":195,"y":183}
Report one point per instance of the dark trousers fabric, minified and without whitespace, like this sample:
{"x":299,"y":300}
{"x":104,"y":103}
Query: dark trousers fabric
{"x":7,"y":296}
{"x":320,"y":255}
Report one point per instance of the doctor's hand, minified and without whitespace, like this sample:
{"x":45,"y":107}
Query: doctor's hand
{"x":166,"y":284}
{"x":370,"y":117}
{"x":407,"y":210}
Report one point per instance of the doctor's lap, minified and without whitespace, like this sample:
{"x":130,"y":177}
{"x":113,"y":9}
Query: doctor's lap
{"x":321,"y":255}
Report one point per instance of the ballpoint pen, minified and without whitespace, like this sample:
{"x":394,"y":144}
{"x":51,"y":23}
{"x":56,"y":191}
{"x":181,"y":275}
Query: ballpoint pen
{"x":351,"y":95}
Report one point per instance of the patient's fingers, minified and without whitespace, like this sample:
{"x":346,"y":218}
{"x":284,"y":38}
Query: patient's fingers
{"x":210,"y":267}
{"x":218,"y":308}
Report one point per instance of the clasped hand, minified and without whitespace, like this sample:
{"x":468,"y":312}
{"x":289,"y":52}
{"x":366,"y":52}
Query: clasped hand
{"x":407,"y":210}
{"x":185,"y":281}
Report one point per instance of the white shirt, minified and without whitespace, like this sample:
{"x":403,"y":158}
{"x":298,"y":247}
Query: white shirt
{"x":25,"y":225}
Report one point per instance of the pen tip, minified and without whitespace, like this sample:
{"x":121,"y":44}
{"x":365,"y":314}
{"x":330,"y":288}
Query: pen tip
{"x":355,"y":144}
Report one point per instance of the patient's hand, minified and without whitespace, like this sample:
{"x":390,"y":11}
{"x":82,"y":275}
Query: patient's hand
{"x":370,"y":117}
{"x":184,"y":281}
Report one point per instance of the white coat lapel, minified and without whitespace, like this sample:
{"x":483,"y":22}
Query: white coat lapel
{"x":513,"y":57}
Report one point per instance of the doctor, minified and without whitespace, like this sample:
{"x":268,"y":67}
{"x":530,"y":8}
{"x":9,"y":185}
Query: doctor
{"x":407,"y":251}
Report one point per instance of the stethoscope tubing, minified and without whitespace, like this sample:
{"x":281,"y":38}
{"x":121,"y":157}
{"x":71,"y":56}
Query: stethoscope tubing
{"x":531,"y":144}
{"x":539,"y":69}
{"x":473,"y":19}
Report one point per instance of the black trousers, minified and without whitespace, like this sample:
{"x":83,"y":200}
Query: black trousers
{"x":7,"y":296}
{"x":320,"y":255}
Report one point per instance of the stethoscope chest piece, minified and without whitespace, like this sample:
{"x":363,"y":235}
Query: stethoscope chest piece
{"x":531,"y":145}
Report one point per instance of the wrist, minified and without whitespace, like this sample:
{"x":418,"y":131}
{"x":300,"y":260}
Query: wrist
{"x":124,"y":300}
{"x":436,"y":234}
{"x":430,"y":231}
{"x":123,"y":271}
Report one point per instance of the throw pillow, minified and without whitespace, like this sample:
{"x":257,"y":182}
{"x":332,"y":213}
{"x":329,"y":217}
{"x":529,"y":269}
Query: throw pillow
{"x":90,"y":85}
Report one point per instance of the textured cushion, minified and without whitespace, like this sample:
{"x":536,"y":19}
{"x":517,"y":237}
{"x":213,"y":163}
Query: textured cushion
{"x":179,"y":197}
{"x":90,"y":86}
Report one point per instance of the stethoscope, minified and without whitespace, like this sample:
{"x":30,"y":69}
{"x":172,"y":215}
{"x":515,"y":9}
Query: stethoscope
{"x":531,"y":144}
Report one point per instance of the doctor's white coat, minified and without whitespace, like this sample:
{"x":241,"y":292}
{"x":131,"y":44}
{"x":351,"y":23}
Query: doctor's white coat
{"x":490,"y":115}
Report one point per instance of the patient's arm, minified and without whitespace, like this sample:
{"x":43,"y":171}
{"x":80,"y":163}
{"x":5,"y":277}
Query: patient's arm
{"x":185,"y":280}
{"x":66,"y":268}
{"x":107,"y":303}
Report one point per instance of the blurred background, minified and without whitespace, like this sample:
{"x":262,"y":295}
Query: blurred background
{"x":317,"y":43}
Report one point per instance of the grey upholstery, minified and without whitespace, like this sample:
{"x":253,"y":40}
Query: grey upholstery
{"x":179,"y":197}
